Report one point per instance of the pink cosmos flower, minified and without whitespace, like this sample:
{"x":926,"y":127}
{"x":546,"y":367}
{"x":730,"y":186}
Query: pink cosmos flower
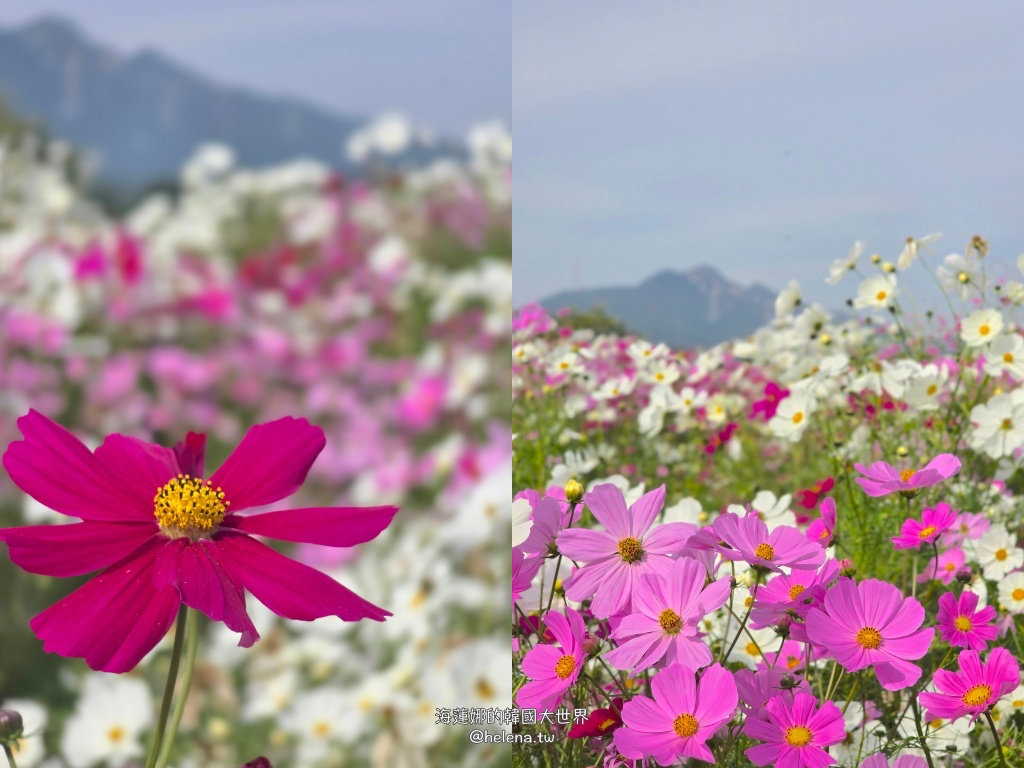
{"x":682,"y":716}
{"x":878,"y":760}
{"x":933,"y":523}
{"x":786,"y":594}
{"x":747,"y":538}
{"x":881,"y":479}
{"x":944,"y":568}
{"x":961,"y":626}
{"x":549,"y":518}
{"x":619,"y":555}
{"x":165,"y":537}
{"x":756,"y":689}
{"x":664,"y":623}
{"x":975,"y":688}
{"x":600,"y":722}
{"x":773,"y":395}
{"x":823,"y":528}
{"x":796,"y":734}
{"x":553,"y":671}
{"x":968,"y":525}
{"x":524,"y":570}
{"x":872,"y":624}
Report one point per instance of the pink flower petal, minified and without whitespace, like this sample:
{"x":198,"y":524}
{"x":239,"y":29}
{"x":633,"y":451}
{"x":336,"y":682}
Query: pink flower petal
{"x":288,"y":588}
{"x":328,"y":526}
{"x":53,"y":467}
{"x":76,"y":549}
{"x":139,"y":468}
{"x":113,"y":620}
{"x":270,"y":463}
{"x":609,"y":507}
{"x":584,"y":545}
{"x":645,"y":510}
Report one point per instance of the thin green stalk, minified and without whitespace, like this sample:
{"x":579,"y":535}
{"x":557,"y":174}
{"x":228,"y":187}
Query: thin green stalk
{"x":172,"y":677}
{"x":191,"y":647}
{"x":995,"y":735}
{"x":10,"y":756}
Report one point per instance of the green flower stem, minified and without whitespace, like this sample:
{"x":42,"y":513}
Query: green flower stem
{"x":172,"y":676}
{"x":10,"y":756}
{"x":191,"y":647}
{"x":995,"y":735}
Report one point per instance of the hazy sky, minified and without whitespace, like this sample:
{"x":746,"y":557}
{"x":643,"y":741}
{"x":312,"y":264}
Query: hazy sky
{"x":762,"y":138}
{"x":446,"y":63}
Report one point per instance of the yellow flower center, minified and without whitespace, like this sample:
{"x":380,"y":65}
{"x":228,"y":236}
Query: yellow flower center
{"x":963,"y":277}
{"x":962,"y":623}
{"x":869,"y":638}
{"x":685,"y":726}
{"x":1007,"y":424}
{"x":792,"y":662}
{"x":630,"y":549}
{"x":798,"y":736}
{"x":984,"y":330}
{"x":321,"y":728}
{"x":906,"y":474}
{"x":604,"y":726}
{"x":752,"y":649}
{"x":795,"y":590}
{"x":1008,"y":358}
{"x":115,"y":734}
{"x":881,"y":295}
{"x":670,"y":621}
{"x":484,"y":689}
{"x":798,"y":417}
{"x":1017,"y":594}
{"x":186,"y":506}
{"x":659,"y":376}
{"x":925,"y":532}
{"x":950,"y":566}
{"x":977,"y":696}
{"x":565,"y":666}
{"x":765,"y":551}
{"x":1001,"y":555}
{"x":932,"y":389}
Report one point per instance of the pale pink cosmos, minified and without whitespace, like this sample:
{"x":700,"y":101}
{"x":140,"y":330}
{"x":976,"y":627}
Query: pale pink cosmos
{"x":618,"y":556}
{"x":823,"y":528}
{"x":549,"y":517}
{"x":934,"y":522}
{"x":524,"y":570}
{"x":793,"y":593}
{"x":747,"y":538}
{"x":554,"y":670}
{"x":881,"y":478}
{"x":872,"y":624}
{"x":945,"y":567}
{"x":680,"y":718}
{"x":795,"y":734}
{"x":976,"y":687}
{"x":664,"y":623}
{"x":968,"y":525}
{"x":961,"y":625}
{"x":756,"y":689}
{"x":878,"y":760}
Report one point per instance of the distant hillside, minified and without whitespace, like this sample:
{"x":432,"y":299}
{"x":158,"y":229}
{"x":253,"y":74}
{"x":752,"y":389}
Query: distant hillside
{"x":684,"y":309}
{"x":144,"y":115}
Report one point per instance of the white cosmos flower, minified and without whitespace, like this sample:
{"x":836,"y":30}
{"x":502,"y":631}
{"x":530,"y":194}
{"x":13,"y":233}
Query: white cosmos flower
{"x":981,"y":327}
{"x":521,"y":522}
{"x":1005,"y":355}
{"x":686,"y":510}
{"x":998,"y":553}
{"x":958,"y":275}
{"x":840,"y":267}
{"x":912,"y":247}
{"x":924,"y":388}
{"x":792,"y":417}
{"x":107,"y":726}
{"x":1011,"y":592}
{"x":322,"y":719}
{"x":876,"y":292}
{"x":998,"y":425}
{"x":29,"y":749}
{"x":787,"y":300}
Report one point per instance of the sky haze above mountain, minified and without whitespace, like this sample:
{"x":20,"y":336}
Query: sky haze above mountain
{"x":763,"y":140}
{"x":446,"y":63}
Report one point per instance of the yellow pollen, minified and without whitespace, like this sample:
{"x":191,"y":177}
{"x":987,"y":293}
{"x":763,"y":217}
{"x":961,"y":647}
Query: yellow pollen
{"x":935,"y":723}
{"x":906,"y":474}
{"x":1007,"y":358}
{"x":977,"y":696}
{"x":565,"y":666}
{"x":984,"y":330}
{"x":748,"y":601}
{"x":963,"y":277}
{"x":115,"y":734}
{"x":798,"y":736}
{"x":795,"y":590}
{"x":659,"y":376}
{"x":484,"y":689}
{"x":925,"y":532}
{"x":792,"y":662}
{"x":186,"y":506}
{"x":605,"y":725}
{"x":962,"y":623}
{"x":1017,"y":594}
{"x":752,"y":649}
{"x":881,"y":295}
{"x":798,"y":417}
{"x":765,"y":551}
{"x":563,"y":365}
{"x":685,"y":726}
{"x":932,"y":389}
{"x":630,"y":550}
{"x":670,"y":621}
{"x":1007,"y":424}
{"x":321,"y":728}
{"x":950,"y":567}
{"x":1001,"y":555}
{"x":869,"y":638}
{"x":1018,"y":703}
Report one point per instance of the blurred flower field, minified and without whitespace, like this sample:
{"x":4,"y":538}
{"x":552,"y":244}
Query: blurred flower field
{"x":378,"y":310}
{"x":801,"y":548}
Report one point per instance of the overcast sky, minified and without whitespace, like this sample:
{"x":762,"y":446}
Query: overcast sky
{"x":762,"y":138}
{"x":445,"y":63}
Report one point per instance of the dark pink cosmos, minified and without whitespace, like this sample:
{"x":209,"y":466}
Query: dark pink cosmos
{"x":881,"y":479}
{"x":148,"y":572}
{"x":773,"y":395}
{"x":933,"y":523}
{"x":976,"y":687}
{"x":600,"y":722}
{"x":961,"y":625}
{"x":823,"y":528}
{"x":553,"y":671}
{"x":808,"y":497}
{"x":795,"y":733}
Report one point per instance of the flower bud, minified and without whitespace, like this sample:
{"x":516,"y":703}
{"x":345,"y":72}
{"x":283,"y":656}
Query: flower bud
{"x":11,"y":725}
{"x":782,"y":626}
{"x":574,"y":492}
{"x":902,"y":451}
{"x":591,"y":644}
{"x":964,"y":575}
{"x":847,"y":568}
{"x":787,"y":682}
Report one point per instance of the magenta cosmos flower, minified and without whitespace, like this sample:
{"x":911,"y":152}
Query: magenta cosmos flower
{"x":664,"y":623}
{"x":747,"y":538}
{"x":164,"y":536}
{"x":933,"y":523}
{"x":618,"y":556}
{"x":961,"y":625}
{"x":872,"y":624}
{"x":881,"y":479}
{"x":975,"y":688}
{"x":823,"y":528}
{"x":681,"y":717}
{"x":878,"y":760}
{"x":796,"y":733}
{"x":553,"y":671}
